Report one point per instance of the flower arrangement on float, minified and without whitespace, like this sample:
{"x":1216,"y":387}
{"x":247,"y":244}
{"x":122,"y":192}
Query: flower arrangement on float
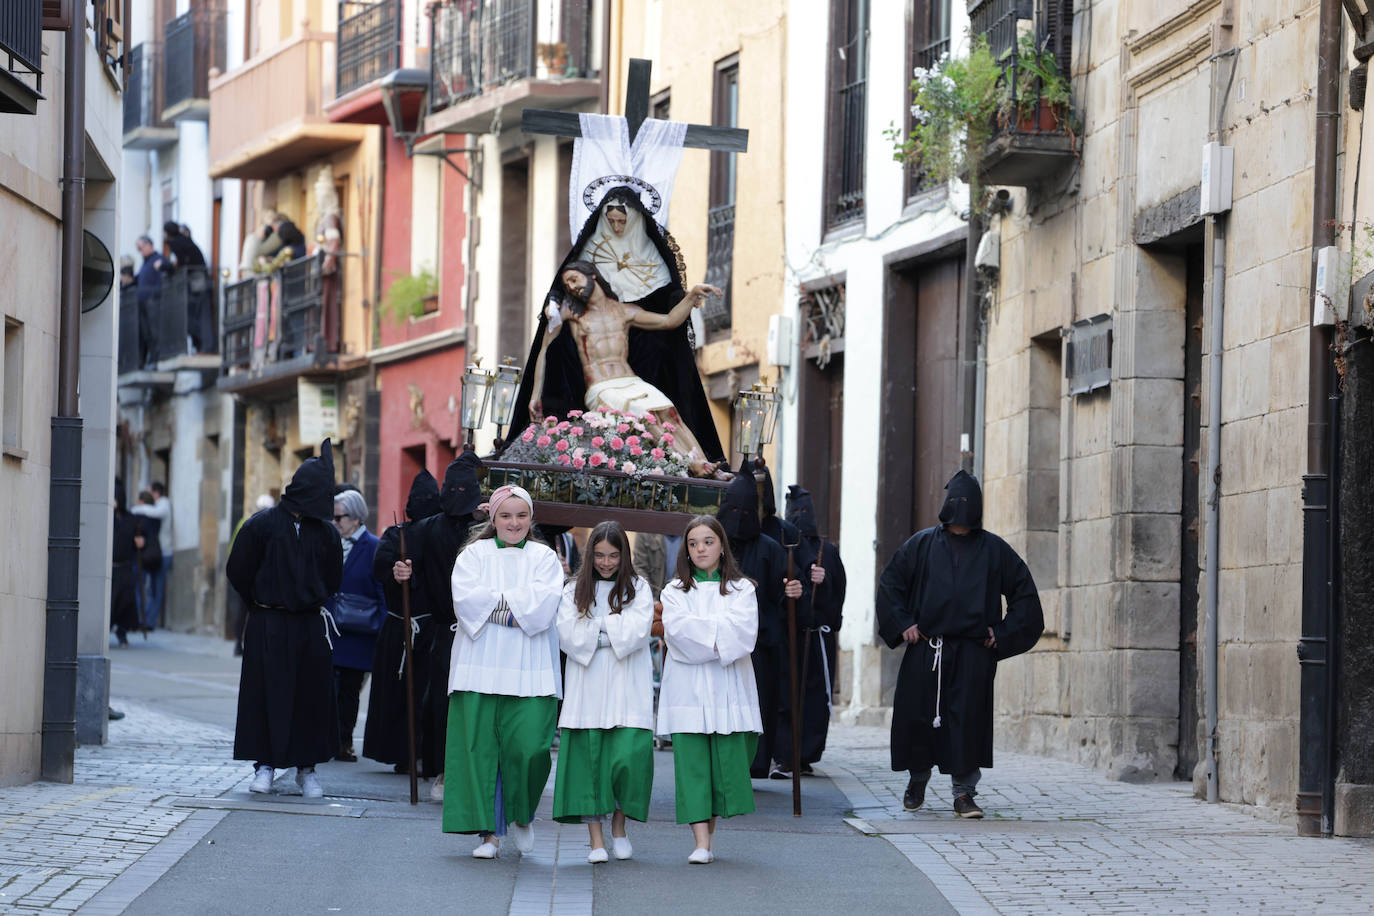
{"x":601,"y":439}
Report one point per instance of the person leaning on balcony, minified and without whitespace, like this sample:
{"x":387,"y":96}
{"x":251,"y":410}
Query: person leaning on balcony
{"x":149,"y":300}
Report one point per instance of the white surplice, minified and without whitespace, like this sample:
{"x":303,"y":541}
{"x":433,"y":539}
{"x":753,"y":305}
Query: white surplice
{"x":487,"y":657}
{"x":611,"y":686}
{"x":708,"y":679}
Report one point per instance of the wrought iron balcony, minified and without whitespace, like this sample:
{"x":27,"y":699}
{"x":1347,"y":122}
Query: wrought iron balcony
{"x":720,"y":267}
{"x":369,"y":42}
{"x":272,"y":325}
{"x":195,"y":44}
{"x":177,"y":326}
{"x":847,"y":187}
{"x":144,"y":127}
{"x":21,"y":52}
{"x":505,"y":55}
{"x":128,"y":358}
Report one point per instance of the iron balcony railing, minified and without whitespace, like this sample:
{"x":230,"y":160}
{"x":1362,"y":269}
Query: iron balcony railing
{"x":21,"y":35}
{"x":996,"y":19}
{"x":143,"y":98}
{"x":478,"y":45}
{"x":186,"y":313}
{"x":273,"y":318}
{"x":848,"y":204}
{"x":195,"y":43}
{"x":128,"y":330}
{"x":369,"y":44}
{"x":720,"y":267}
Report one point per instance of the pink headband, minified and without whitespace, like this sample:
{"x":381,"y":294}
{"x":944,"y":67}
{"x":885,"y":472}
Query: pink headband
{"x":501,"y":494}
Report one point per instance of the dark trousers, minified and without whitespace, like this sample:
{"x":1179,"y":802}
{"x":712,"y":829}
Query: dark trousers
{"x":768,"y":665}
{"x":348,"y":687}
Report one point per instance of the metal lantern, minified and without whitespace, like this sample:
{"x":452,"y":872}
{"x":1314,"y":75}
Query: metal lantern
{"x":405,"y":99}
{"x":476,"y":392}
{"x":769,"y":395}
{"x":751,"y":413}
{"x":504,"y":388}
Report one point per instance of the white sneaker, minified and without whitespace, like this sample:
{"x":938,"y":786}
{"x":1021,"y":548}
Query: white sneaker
{"x":524,"y":837}
{"x":487,"y":850}
{"x":622,"y":847}
{"x":701,"y":857}
{"x":262,"y":780}
{"x":436,"y":791}
{"x":597,"y":856}
{"x":310,"y":784}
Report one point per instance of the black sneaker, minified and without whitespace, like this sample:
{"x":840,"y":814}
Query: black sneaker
{"x":914,"y":796}
{"x":965,"y":806}
{"x":776,"y":771}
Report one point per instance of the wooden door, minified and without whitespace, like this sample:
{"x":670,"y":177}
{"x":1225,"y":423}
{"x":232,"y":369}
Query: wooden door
{"x":821,"y":443}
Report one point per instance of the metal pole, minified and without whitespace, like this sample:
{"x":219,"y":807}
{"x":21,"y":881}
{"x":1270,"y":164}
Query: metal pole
{"x":64,"y":487}
{"x":1213,"y":483}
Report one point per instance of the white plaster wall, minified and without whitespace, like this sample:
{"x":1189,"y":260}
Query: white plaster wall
{"x":889,"y":226}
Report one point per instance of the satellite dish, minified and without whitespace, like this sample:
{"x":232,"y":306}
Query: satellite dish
{"x":97,"y":271}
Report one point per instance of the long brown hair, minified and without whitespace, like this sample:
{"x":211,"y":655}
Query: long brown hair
{"x":729,"y":569}
{"x":623,"y":588}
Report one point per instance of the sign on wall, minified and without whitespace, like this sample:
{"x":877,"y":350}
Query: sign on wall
{"x":317,"y":405}
{"x":1088,"y":362}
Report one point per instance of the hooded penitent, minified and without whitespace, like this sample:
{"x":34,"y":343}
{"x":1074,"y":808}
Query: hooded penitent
{"x":963,"y":501}
{"x":801,"y":511}
{"x":424,"y":496}
{"x":311,"y":490}
{"x":462,"y":491}
{"x":739,"y":513}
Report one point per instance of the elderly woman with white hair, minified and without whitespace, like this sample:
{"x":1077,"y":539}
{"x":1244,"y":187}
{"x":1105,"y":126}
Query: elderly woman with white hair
{"x":358,"y":610}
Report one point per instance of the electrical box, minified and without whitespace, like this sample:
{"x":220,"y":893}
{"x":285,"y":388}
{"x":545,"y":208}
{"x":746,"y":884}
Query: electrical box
{"x":989,"y":254}
{"x":1331,"y":294}
{"x":779,"y":350}
{"x":1218,"y":167}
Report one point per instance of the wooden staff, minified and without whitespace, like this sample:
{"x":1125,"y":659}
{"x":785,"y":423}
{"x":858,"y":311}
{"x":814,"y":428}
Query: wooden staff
{"x":792,"y":680}
{"x":409,"y":666}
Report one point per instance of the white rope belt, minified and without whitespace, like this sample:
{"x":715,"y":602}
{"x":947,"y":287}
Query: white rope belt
{"x":329,"y":622}
{"x":825,"y":665}
{"x":414,"y":632}
{"x":938,"y":666}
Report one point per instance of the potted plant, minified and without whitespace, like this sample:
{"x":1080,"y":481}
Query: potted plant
{"x":954,"y":104}
{"x":1037,"y":98}
{"x":411,"y":295}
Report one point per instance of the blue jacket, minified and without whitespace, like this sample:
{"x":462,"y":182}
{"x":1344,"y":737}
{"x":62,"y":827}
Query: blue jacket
{"x":353,"y":650}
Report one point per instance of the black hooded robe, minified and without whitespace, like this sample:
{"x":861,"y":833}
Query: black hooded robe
{"x":952,"y":587}
{"x":438,"y":540}
{"x":664,"y":359}
{"x":124,"y":571}
{"x":386,"y":738}
{"x":286,"y":562}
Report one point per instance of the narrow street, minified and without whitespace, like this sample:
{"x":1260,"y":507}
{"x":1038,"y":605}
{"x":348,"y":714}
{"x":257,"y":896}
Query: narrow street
{"x":160,"y":821}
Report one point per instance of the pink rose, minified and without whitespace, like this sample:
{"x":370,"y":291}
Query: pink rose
{"x":669,"y":427}
{"x":575,"y":431}
{"x":574,"y":413}
{"x":579,"y":463}
{"x":628,"y":467}
{"x":564,"y":459}
{"x":579,"y":453}
{"x":550,"y":421}
{"x":617,"y":443}
{"x":597,"y":442}
{"x":563,"y":426}
{"x":561,"y":445}
{"x":543,"y":441}
{"x":610,"y":464}
{"x":658,"y":454}
{"x":623,"y":428}
{"x":631,"y":441}
{"x":636,"y":451}
{"x":527,"y":436}
{"x":668,"y":439}
{"x":597,"y":460}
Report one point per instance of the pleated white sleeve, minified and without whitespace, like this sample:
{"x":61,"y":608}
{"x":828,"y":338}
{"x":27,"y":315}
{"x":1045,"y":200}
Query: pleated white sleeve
{"x":475,"y":594}
{"x":629,"y":630}
{"x":576,"y":634}
{"x":689,"y":627}
{"x":738,"y":630}
{"x":534,"y":600}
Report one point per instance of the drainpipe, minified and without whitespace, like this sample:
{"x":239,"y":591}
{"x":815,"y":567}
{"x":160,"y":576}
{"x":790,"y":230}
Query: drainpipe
{"x":64,"y":487}
{"x":1217,"y":227}
{"x":970,"y":346}
{"x":1315,"y":753}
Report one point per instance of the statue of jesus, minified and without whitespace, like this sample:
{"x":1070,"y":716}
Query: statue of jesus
{"x":599,"y":325}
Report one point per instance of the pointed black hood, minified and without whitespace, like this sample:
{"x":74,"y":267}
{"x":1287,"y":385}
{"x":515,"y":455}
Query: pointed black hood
{"x":963,"y":501}
{"x":462,"y":491}
{"x":311,"y":490}
{"x":801,"y":511}
{"x":739,"y":512}
{"x":424,"y":496}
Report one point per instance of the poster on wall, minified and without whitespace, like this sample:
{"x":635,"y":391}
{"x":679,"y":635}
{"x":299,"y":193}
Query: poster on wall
{"x":317,"y":405}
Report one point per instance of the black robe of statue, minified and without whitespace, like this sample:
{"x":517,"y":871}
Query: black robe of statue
{"x":664,"y":359}
{"x":386,"y":738}
{"x":952,"y":587}
{"x":285,"y":567}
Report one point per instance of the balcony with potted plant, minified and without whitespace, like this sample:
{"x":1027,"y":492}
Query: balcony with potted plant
{"x":1035,"y":134}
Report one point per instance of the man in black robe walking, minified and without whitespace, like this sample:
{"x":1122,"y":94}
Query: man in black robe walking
{"x":437,"y":543}
{"x":941,"y":595}
{"x":286,"y":562}
{"x":386,"y":738}
{"x":762,"y":559}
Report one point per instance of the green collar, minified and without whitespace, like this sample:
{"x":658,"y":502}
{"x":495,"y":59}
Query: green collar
{"x":712,"y":576}
{"x":500,"y":543}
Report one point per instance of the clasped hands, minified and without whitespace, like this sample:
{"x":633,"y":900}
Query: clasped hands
{"x":913,"y":634}
{"x":502,"y":615}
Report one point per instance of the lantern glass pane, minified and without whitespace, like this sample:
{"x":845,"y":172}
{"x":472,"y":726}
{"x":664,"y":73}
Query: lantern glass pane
{"x":504,"y":389}
{"x":476,"y":387}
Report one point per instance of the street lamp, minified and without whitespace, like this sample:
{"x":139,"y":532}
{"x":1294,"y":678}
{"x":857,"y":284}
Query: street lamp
{"x":504,"y":387}
{"x":756,"y":411}
{"x":405,"y":97}
{"x":476,"y":391}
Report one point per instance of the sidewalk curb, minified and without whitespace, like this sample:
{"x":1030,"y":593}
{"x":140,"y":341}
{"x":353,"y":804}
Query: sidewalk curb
{"x":116,"y":896}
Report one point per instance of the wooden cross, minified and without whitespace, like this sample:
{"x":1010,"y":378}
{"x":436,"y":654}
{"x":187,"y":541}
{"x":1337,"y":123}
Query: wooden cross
{"x":699,"y":136}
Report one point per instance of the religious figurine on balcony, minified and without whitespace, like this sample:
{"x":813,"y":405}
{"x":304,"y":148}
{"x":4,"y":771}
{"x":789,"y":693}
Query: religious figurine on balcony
{"x":329,"y":241}
{"x":281,"y":242}
{"x":620,"y":292}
